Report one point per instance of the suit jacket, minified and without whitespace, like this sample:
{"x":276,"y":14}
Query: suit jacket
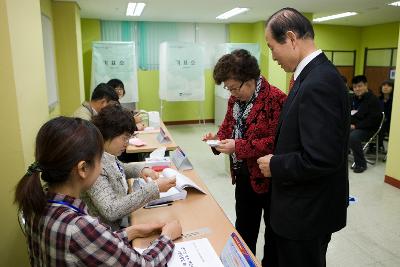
{"x":309,"y":195}
{"x":259,"y":137}
{"x":108,"y":197}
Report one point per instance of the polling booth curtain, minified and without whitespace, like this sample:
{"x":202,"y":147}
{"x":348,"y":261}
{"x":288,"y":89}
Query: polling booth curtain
{"x":149,"y":35}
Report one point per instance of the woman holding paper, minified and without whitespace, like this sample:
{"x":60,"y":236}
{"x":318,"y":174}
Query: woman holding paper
{"x":108,"y":198}
{"x":58,"y":229}
{"x":246,"y":134}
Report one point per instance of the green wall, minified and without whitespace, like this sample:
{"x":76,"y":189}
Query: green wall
{"x":91,"y":32}
{"x":392,"y":164}
{"x":67,"y":35}
{"x":22,"y":112}
{"x":377,"y":36}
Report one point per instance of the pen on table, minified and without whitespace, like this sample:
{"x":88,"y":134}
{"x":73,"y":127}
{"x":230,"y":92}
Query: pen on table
{"x":157,"y":205}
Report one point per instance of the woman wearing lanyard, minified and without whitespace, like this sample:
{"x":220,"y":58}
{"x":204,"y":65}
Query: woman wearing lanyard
{"x":108,"y":198}
{"x":58,"y":228}
{"x":246,"y":134}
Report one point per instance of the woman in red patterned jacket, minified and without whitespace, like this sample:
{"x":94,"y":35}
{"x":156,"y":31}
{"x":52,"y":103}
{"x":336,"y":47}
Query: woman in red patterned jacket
{"x":247,"y":133}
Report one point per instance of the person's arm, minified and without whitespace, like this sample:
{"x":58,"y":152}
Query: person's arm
{"x":371,"y":116}
{"x":323,"y":110}
{"x":92,"y":243}
{"x":114,"y":207}
{"x":133,"y":169}
{"x":262,"y":146}
{"x":225,"y":130}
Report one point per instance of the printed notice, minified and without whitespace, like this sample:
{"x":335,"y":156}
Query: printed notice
{"x":235,"y":254}
{"x":194,"y":253}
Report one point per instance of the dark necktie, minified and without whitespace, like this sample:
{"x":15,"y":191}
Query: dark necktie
{"x":291,"y":83}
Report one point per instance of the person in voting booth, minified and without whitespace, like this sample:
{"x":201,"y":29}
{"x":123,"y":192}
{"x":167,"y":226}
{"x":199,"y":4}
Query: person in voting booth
{"x":108,"y":197}
{"x":118,"y":86}
{"x":308,"y":168}
{"x":366,"y":115}
{"x":102,"y":96}
{"x":247,"y":133}
{"x":58,"y":228}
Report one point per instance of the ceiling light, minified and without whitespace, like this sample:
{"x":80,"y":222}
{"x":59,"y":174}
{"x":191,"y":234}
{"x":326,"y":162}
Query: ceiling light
{"x":337,"y":16}
{"x":135,"y":9}
{"x":232,"y":12}
{"x":395,"y":3}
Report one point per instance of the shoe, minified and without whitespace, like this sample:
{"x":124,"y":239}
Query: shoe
{"x":359,"y":169}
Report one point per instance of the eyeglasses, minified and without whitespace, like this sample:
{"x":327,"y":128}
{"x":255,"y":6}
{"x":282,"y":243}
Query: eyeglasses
{"x":233,"y":89}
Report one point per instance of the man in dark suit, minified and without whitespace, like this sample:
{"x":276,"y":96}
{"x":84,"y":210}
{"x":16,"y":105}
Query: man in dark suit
{"x":308,"y":170}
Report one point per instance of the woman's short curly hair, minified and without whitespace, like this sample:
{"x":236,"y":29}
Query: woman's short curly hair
{"x":238,"y":65}
{"x":114,"y":120}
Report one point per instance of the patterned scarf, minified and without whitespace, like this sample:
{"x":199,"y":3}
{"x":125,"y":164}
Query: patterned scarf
{"x":241,"y":111}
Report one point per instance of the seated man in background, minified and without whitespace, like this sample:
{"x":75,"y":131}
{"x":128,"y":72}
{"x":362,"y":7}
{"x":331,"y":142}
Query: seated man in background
{"x":366,"y":115}
{"x":102,"y":95}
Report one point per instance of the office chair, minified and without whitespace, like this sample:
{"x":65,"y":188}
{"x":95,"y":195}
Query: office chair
{"x":373,"y":140}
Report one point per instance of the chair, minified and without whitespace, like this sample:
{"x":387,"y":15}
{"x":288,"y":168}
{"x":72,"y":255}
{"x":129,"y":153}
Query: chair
{"x":373,"y":140}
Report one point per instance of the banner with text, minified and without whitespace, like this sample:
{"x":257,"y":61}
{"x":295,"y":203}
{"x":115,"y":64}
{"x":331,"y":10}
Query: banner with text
{"x":115,"y":60}
{"x":182,"y":71}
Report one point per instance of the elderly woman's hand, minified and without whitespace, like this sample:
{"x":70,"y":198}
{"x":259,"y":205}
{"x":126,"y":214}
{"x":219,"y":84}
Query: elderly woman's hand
{"x":209,"y":136}
{"x":226,"y":146}
{"x":147,"y":172}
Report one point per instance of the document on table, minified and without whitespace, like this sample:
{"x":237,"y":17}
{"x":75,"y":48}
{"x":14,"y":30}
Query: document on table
{"x":193,"y":253}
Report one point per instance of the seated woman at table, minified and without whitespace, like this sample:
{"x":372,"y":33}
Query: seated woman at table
{"x":58,"y":229}
{"x":108,"y":197}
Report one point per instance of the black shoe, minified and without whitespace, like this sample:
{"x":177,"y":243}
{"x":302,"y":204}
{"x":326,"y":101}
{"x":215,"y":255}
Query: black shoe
{"x":359,"y":169}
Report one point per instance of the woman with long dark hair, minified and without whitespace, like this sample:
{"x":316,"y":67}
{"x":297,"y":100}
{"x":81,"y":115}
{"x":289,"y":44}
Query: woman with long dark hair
{"x":59,"y":230}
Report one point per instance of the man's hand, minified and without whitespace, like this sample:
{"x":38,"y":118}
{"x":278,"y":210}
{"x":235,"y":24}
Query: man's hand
{"x":263,"y":164}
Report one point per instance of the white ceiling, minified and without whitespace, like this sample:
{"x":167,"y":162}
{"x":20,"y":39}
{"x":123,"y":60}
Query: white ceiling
{"x":370,"y":11}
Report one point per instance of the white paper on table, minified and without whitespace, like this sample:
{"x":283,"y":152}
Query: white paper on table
{"x":196,"y":253}
{"x":353,"y":111}
{"x":158,"y":153}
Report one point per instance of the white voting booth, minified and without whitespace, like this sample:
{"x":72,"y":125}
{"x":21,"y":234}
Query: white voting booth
{"x":112,"y":60}
{"x":182,"y":72}
{"x":222,"y":95}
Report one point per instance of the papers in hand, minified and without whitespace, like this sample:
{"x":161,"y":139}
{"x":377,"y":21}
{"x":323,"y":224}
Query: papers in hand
{"x":213,"y":143}
{"x":177,"y":192}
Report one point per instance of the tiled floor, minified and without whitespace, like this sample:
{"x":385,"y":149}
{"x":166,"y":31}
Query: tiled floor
{"x":372,"y":235}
